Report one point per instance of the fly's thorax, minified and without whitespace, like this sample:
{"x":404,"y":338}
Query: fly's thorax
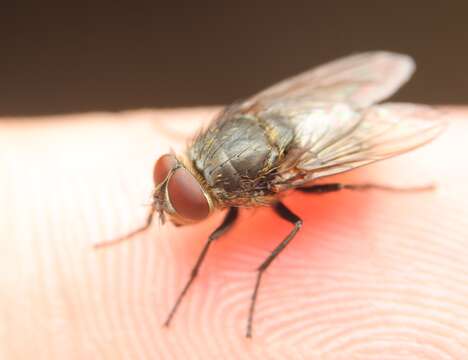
{"x":180,"y":192}
{"x":237,"y":158}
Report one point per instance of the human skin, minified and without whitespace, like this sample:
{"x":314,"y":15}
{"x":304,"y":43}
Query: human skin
{"x":371,"y":275}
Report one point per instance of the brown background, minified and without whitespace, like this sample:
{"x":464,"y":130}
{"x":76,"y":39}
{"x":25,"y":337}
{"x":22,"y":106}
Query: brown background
{"x":59,"y":58}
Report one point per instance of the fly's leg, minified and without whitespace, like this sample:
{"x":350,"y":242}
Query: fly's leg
{"x":149,"y":220}
{"x":289,"y":216}
{"x":326,"y":188}
{"x":228,"y":221}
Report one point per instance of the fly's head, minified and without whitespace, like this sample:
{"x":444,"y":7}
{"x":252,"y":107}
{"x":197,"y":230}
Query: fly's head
{"x":179,"y":193}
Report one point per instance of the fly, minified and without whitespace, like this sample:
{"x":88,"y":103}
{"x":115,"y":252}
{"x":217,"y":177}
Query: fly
{"x":319,"y":123}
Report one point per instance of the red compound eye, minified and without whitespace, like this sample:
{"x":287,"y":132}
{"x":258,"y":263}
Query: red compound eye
{"x":162,"y":167}
{"x":186,"y":196}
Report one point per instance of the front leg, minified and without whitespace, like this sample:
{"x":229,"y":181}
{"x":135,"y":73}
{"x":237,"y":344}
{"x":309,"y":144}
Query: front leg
{"x":227,"y":223}
{"x":130,"y":235}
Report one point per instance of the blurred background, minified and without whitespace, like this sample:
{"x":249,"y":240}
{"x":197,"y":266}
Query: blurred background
{"x":60,"y":58}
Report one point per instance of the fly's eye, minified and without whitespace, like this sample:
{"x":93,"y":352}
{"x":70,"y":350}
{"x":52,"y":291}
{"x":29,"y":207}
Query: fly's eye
{"x":186,"y":196}
{"x":163,"y":166}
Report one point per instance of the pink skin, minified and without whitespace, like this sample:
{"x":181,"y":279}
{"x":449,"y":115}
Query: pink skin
{"x":372,"y":275}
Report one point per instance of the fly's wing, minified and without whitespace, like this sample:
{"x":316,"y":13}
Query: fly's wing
{"x":335,"y":130}
{"x":359,"y":80}
{"x":333,"y":138}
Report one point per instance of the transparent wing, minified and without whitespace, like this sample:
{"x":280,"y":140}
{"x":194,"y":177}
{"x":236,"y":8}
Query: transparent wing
{"x":333,"y":138}
{"x":359,"y":80}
